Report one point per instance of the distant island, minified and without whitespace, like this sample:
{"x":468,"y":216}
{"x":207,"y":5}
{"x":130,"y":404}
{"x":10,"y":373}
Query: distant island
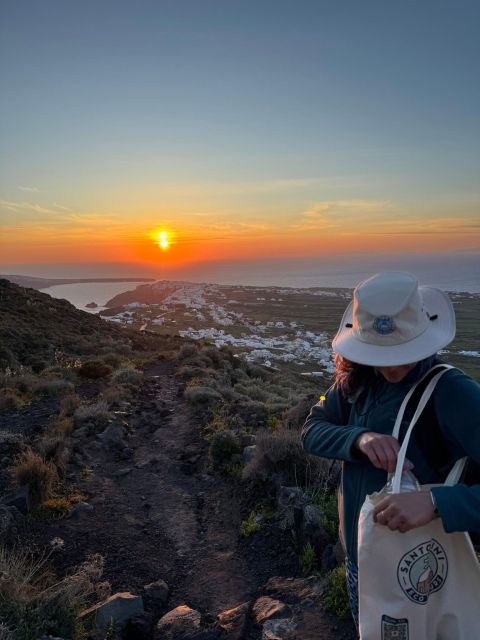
{"x":44,"y":283}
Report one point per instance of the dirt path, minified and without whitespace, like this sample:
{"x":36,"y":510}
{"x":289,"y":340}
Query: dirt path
{"x":160,"y":514}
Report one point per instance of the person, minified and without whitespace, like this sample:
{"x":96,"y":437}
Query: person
{"x":388,"y":339}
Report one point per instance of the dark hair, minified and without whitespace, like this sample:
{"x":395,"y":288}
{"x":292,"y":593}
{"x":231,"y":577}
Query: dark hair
{"x":352,"y":377}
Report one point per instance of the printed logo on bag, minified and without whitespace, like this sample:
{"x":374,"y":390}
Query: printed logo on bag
{"x":394,"y":628}
{"x":422,"y":571}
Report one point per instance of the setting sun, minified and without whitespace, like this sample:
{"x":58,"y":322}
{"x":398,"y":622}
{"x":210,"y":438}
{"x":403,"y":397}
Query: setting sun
{"x":162,"y":238}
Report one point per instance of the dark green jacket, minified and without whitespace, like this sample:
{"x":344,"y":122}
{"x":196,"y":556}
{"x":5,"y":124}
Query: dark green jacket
{"x":448,"y":429}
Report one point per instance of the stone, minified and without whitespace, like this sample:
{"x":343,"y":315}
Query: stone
{"x":19,"y":499}
{"x":113,"y":436}
{"x":266,"y":608}
{"x":139,"y":627}
{"x":155,"y":596}
{"x":233,"y":621}
{"x":329,"y":561}
{"x":280,"y":629}
{"x":249,"y":453}
{"x":178,"y":622}
{"x":81,"y":432}
{"x":121,"y":607}
{"x":80,"y":509}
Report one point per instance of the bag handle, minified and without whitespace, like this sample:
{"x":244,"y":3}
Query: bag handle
{"x":403,"y":406}
{"x":458,"y":467}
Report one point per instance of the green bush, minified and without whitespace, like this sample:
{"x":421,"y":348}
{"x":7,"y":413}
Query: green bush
{"x":249,"y":526}
{"x":201,"y":396}
{"x":335,"y":598}
{"x":325,"y":499}
{"x":127,"y":375}
{"x":308,"y":560}
{"x":224,"y":445}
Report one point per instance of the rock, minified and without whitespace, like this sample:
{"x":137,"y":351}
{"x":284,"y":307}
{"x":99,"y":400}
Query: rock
{"x":81,"y":432}
{"x":208,"y":634}
{"x":46,"y":637}
{"x":121,"y":607}
{"x":291,"y":590}
{"x":155,"y":596}
{"x":266,"y":608}
{"x":329,"y":561}
{"x":80,"y":509}
{"x":113,"y":436}
{"x":122,"y":472}
{"x":91,"y":305}
{"x":139,"y":627}
{"x":178,"y":622}
{"x":234,"y":621}
{"x":280,"y":629}
{"x":19,"y":500}
{"x":249,"y":453}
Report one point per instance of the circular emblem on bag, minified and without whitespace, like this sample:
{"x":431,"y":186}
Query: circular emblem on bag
{"x":422,"y":571}
{"x":384,"y":325}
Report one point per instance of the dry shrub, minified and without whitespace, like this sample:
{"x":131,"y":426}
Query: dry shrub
{"x":187,"y":351}
{"x":295,"y":417}
{"x":201,"y":396}
{"x":127,"y":375}
{"x":9,"y":400}
{"x":54,"y":450}
{"x":95,"y":414}
{"x":55,"y":387}
{"x":94,"y":369}
{"x":34,"y":602}
{"x":68,"y":405}
{"x":280,"y":453}
{"x":38,"y":474}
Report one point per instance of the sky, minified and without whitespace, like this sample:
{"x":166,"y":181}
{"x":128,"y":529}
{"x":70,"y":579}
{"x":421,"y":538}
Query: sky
{"x":242,"y":130}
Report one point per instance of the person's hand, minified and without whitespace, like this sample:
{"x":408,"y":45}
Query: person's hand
{"x":404,"y":511}
{"x":381,"y":450}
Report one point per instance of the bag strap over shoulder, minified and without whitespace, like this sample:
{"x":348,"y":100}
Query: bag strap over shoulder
{"x":457,"y":470}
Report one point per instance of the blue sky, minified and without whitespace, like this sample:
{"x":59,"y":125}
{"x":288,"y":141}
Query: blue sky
{"x":232,"y":109}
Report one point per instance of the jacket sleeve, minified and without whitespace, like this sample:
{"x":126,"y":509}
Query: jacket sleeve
{"x":457,"y":406}
{"x":326,"y":431}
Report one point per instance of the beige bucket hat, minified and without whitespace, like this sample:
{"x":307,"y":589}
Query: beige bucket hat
{"x":393,"y":321}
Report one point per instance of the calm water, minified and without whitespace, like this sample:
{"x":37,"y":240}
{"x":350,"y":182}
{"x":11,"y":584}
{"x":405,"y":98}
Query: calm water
{"x":80,"y":294}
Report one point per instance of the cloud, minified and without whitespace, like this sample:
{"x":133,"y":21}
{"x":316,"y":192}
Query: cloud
{"x":339,"y":215}
{"x":26,"y":206}
{"x":29,"y":189}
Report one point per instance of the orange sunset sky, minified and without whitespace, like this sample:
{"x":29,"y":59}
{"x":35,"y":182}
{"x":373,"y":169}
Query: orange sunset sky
{"x":242,"y":130}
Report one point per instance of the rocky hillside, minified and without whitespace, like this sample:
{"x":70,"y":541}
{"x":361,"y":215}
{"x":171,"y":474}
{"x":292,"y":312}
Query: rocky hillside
{"x":155,"y":487}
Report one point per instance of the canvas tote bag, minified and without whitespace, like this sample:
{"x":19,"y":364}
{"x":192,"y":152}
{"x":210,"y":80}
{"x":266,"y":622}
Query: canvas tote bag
{"x":423,"y":584}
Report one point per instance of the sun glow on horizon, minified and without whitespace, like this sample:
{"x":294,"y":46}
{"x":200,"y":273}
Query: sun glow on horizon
{"x":162,"y":238}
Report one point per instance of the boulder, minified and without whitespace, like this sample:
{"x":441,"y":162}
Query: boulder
{"x":265,"y":608}
{"x":233,"y":621}
{"x":121,"y":607}
{"x":249,"y":453}
{"x":155,"y":596}
{"x":139,"y":627}
{"x":280,"y":629}
{"x":178,"y":622}
{"x":113,"y":436}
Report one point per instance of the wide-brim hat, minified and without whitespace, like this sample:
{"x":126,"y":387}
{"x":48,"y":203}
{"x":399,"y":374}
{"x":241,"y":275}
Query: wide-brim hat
{"x":393,"y":321}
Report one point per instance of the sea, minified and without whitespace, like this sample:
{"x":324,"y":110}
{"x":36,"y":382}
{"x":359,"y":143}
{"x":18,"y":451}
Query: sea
{"x":455,"y":273}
